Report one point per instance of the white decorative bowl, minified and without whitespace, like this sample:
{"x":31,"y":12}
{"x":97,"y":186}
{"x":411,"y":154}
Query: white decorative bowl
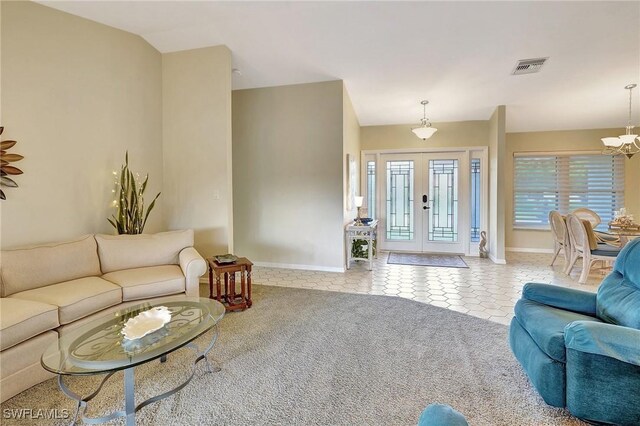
{"x":146,"y":322}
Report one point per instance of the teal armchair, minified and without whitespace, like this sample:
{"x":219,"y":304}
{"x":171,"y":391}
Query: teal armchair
{"x":581,"y":350}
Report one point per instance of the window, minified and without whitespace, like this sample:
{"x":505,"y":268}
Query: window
{"x":475,"y":200}
{"x":400,"y":214}
{"x":566,"y":182}
{"x":371,"y":189}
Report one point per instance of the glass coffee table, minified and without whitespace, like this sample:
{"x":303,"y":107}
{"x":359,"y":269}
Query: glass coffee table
{"x":99,"y":347}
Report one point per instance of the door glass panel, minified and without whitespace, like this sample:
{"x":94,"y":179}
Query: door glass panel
{"x":400,"y":216}
{"x":371,"y":189}
{"x":475,"y":199}
{"x":443,"y":199}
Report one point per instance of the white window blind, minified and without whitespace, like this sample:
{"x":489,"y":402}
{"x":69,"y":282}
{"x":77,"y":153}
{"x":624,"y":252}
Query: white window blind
{"x":564,"y":183}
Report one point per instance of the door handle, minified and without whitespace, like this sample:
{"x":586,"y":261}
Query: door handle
{"x":425,"y":208}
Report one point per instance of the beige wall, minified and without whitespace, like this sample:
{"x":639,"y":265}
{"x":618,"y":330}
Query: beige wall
{"x":196,"y":93}
{"x":572,"y":140}
{"x":400,"y":136}
{"x":76,"y":95}
{"x":288,"y":175}
{"x":497,"y":153}
{"x":351,"y":146}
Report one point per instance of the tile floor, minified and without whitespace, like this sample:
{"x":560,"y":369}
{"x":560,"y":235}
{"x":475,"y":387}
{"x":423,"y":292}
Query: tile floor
{"x":484,"y":290}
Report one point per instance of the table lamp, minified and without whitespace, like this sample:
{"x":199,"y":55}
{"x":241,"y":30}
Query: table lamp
{"x":358,"y":202}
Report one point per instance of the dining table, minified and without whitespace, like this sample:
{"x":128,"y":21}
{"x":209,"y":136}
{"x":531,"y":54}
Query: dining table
{"x":625,"y":235}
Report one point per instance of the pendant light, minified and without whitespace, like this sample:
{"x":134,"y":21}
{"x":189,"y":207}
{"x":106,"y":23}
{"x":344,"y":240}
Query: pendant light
{"x":626,"y":144}
{"x":424,"y":131}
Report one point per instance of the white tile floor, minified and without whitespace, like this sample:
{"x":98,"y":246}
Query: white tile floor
{"x":485,"y":289}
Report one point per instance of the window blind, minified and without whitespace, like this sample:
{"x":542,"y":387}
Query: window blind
{"x":564,"y":183}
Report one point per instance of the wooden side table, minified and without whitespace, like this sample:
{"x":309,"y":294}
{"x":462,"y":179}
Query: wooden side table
{"x":232,"y":300}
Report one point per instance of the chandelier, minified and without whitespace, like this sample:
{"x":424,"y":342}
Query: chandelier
{"x":425,"y":131}
{"x":626,"y":144}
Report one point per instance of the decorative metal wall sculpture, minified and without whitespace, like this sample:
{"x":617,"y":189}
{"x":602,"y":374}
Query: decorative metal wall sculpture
{"x":6,"y":169}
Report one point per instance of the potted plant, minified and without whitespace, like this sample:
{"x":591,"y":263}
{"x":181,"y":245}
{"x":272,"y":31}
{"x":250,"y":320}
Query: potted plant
{"x":131,"y":216}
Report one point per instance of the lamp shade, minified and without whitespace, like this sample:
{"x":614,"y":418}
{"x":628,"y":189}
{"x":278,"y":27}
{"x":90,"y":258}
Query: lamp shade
{"x":424,"y":132}
{"x":358,"y":201}
{"x":627,"y":139}
{"x":613,"y":142}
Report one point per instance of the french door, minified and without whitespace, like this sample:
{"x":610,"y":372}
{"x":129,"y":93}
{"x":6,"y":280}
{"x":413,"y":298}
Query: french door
{"x":425,"y":202}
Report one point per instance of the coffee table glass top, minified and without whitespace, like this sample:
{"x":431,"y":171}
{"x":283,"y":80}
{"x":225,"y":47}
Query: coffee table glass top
{"x":99,"y":346}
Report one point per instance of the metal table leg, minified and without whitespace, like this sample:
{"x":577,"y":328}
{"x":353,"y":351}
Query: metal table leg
{"x":129,"y":389}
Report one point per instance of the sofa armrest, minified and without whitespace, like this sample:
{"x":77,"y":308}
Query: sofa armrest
{"x":599,"y":338}
{"x":193,"y":267}
{"x":582,"y":302}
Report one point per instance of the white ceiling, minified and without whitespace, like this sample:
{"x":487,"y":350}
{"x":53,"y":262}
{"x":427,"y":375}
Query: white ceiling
{"x":391,"y":55}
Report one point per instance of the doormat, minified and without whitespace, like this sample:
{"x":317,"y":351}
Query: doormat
{"x":427,"y":259}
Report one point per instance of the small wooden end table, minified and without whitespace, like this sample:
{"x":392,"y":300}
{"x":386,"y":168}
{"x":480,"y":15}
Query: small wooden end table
{"x":232,"y":301}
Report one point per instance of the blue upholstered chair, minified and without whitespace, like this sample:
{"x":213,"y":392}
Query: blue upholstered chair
{"x":582,"y":350}
{"x":441,"y":415}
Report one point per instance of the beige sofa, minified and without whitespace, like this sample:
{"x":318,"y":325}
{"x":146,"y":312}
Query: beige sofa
{"x":49,"y":289}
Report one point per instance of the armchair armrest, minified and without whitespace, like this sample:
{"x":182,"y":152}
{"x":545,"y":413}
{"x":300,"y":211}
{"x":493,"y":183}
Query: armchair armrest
{"x":582,"y":302}
{"x":599,"y":338}
{"x":193,"y":267}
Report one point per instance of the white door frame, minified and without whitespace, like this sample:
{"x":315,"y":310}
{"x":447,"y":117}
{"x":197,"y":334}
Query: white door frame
{"x":481,"y":152}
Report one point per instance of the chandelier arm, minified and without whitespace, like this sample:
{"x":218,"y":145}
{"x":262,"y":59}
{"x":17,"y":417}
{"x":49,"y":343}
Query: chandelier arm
{"x":629,"y":127}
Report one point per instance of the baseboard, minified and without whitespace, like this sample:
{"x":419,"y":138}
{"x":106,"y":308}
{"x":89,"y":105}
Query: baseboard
{"x":496,"y":260}
{"x":298,"y":266}
{"x":529,"y":250}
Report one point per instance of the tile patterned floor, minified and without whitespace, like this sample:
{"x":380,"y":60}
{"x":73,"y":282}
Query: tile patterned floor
{"x":484,"y":290}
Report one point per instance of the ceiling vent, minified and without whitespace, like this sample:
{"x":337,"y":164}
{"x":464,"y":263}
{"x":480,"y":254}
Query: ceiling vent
{"x":528,"y":66}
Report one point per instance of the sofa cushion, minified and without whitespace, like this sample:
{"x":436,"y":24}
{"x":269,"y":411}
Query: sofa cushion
{"x":77,"y":298}
{"x":119,"y":252}
{"x":546,"y":325}
{"x":603,"y":249}
{"x":22,"y":319}
{"x":618,"y":301}
{"x":627,"y":262}
{"x":618,"y":298}
{"x":38,"y":266}
{"x":591,"y":235}
{"x":142,"y":283}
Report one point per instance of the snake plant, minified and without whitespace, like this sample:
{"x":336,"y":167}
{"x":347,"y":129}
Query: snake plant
{"x":131,"y":216}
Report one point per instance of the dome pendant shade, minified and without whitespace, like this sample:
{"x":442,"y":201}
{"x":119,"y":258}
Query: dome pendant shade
{"x":425,"y":131}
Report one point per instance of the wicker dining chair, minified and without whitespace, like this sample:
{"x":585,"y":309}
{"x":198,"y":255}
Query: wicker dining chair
{"x":560,"y":237}
{"x":582,"y":247}
{"x":595,"y":220}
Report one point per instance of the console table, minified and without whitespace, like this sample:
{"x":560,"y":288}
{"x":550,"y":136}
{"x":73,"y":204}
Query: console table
{"x":367,"y":233}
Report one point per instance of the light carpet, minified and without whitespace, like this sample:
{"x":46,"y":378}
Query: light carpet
{"x":307,"y":357}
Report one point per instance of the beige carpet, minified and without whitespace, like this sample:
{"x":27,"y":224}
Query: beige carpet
{"x":305,"y":357}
